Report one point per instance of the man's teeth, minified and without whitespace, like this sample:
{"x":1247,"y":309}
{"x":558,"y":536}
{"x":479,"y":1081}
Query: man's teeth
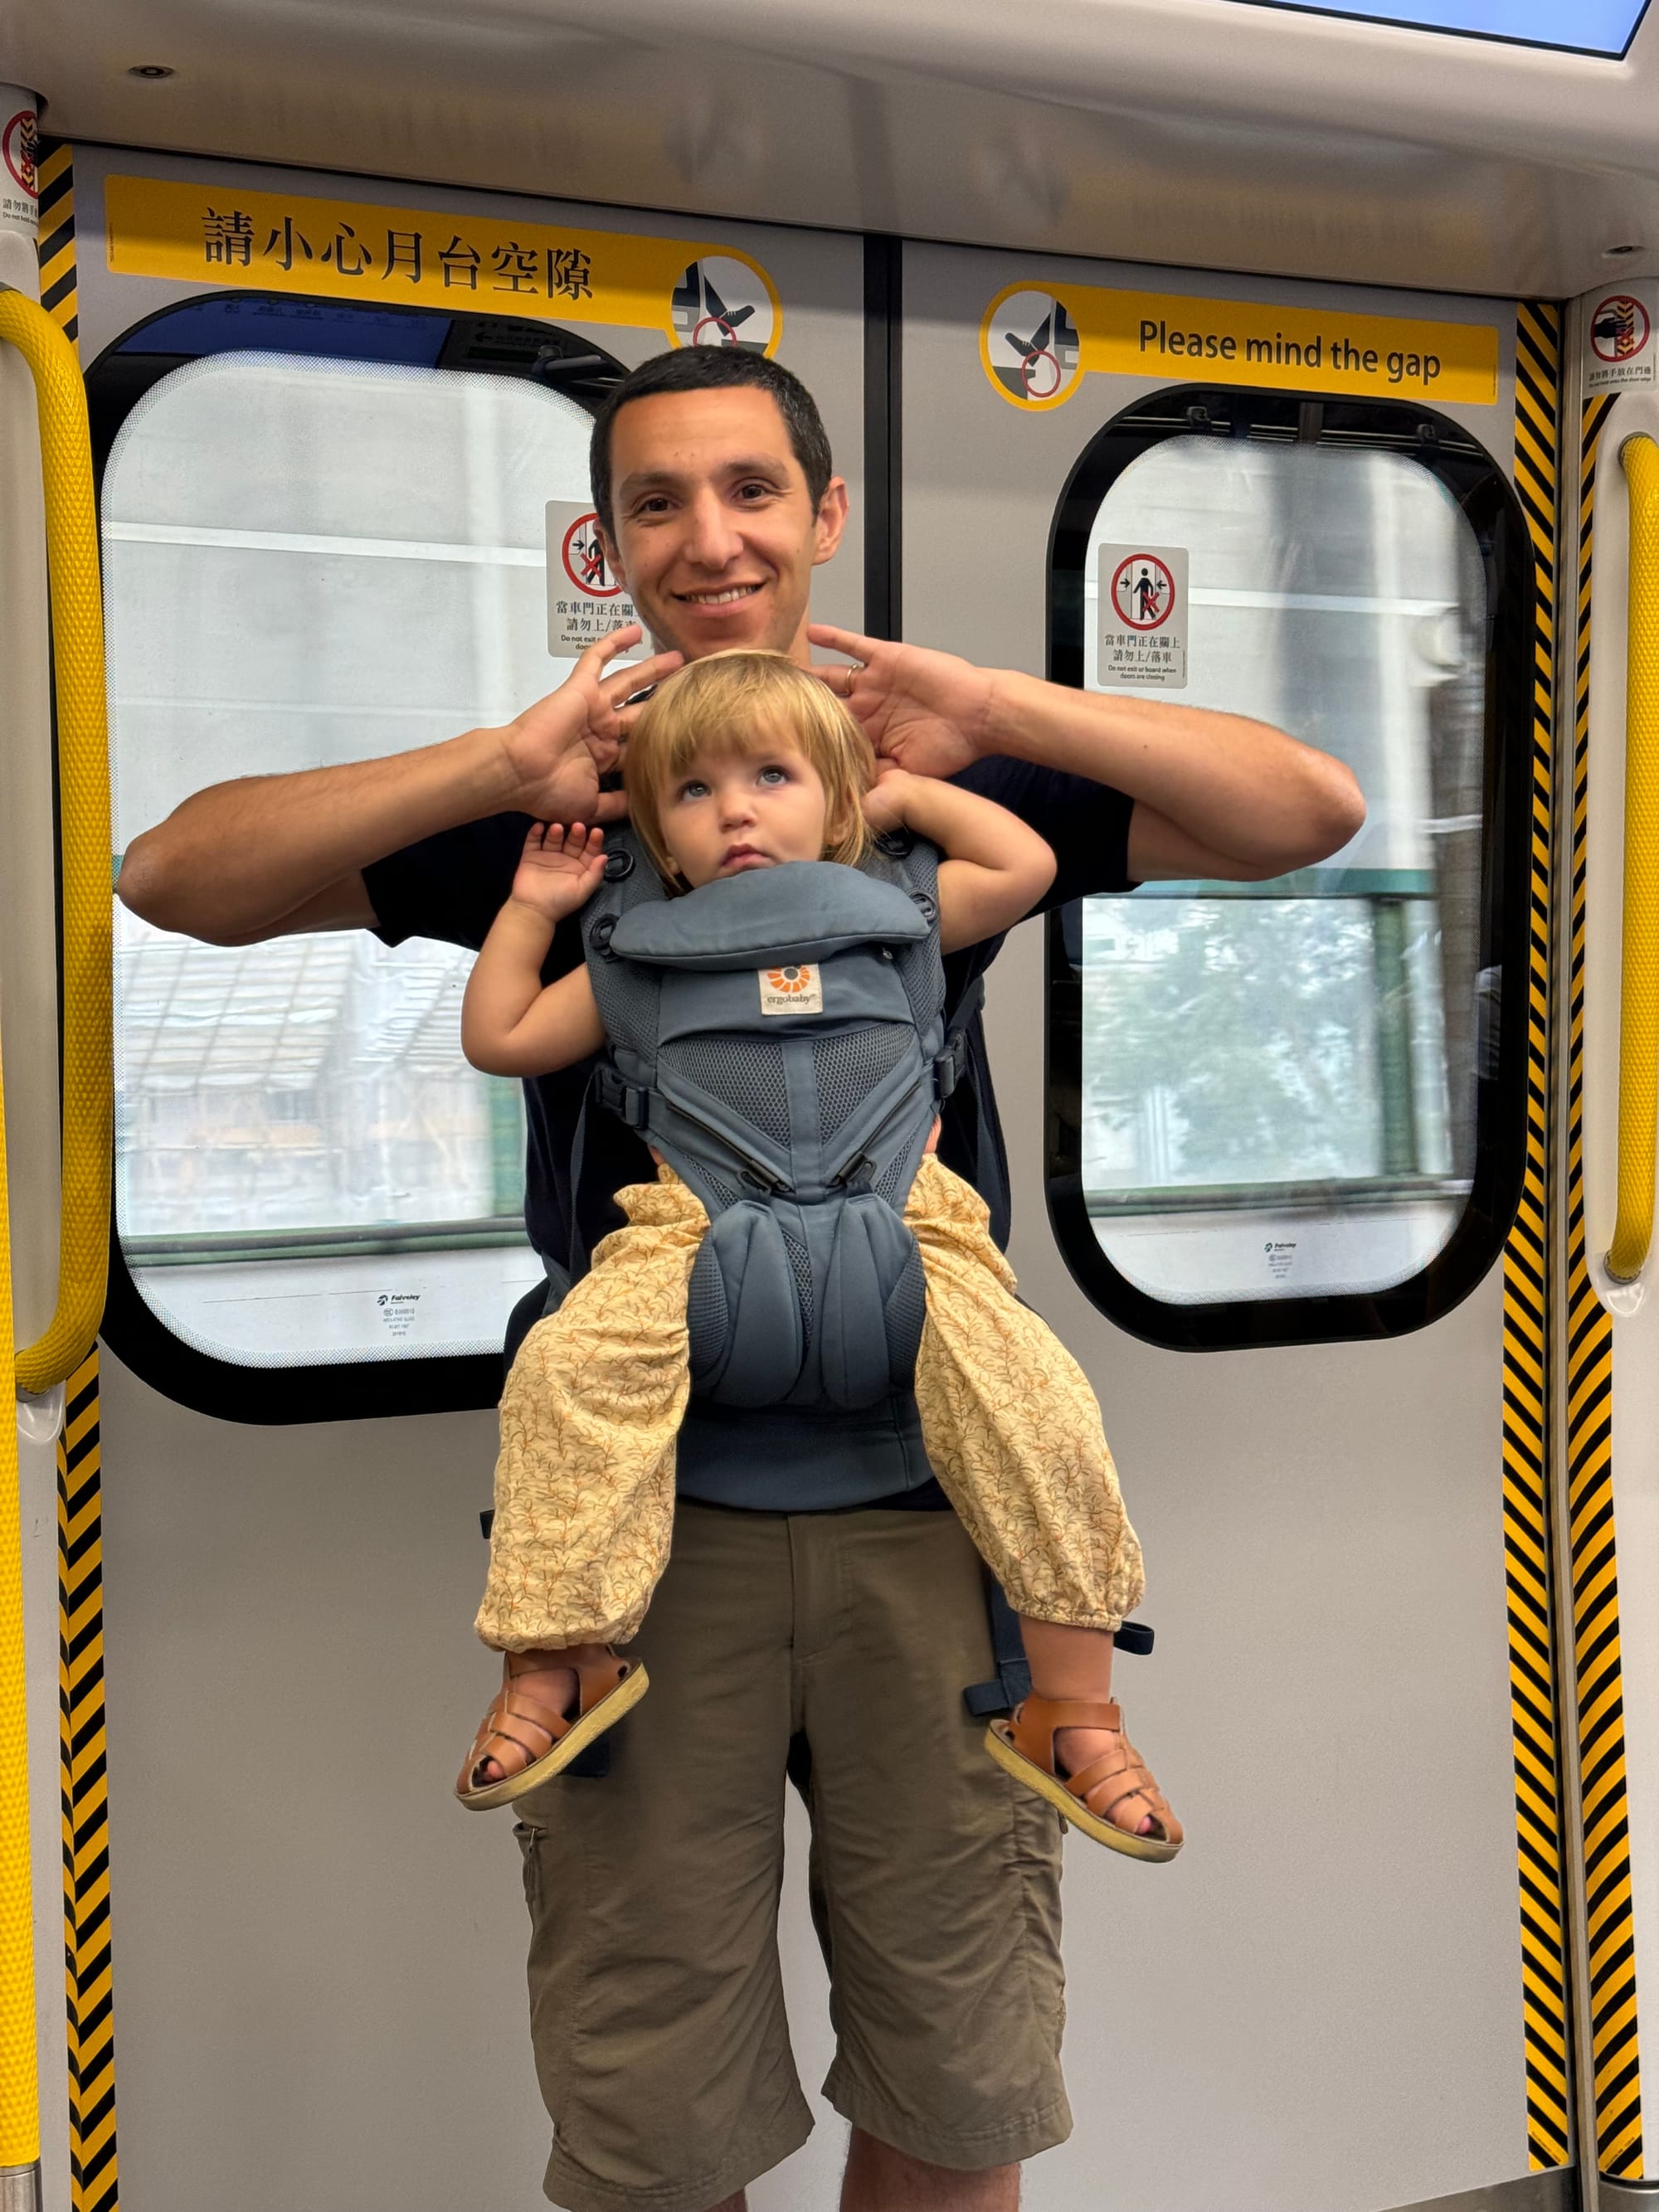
{"x":720,"y":598}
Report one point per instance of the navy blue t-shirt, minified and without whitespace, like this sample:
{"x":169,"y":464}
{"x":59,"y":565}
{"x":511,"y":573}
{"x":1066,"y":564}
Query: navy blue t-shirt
{"x":451,"y":886}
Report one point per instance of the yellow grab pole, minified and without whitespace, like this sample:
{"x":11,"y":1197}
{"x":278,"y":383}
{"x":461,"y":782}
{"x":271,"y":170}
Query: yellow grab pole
{"x":86,"y":1118}
{"x":77,"y":632}
{"x":20,"y":2099}
{"x":1638,"y":1006}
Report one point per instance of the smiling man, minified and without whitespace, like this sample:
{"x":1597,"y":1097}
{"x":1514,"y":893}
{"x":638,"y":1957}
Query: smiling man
{"x":822,"y":1608}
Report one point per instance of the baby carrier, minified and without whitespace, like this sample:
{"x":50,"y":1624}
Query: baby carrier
{"x":778,"y":1036}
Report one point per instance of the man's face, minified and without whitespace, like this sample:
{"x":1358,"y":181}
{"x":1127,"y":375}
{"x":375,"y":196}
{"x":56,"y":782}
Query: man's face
{"x":714,"y":532}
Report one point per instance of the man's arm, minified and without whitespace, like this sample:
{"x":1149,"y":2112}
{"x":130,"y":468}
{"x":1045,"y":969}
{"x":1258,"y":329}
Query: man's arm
{"x":1215,"y":794}
{"x":269,"y":856}
{"x":275,"y":855}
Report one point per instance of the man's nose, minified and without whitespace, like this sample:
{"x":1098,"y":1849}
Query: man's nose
{"x":712,"y":539}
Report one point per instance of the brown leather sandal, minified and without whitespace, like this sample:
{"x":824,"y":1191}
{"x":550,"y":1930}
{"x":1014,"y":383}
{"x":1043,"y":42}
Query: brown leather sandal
{"x":541,"y":1743}
{"x":1024,"y":1745}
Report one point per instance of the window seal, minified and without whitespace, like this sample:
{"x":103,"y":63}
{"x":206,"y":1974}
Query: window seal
{"x":1490,"y":503}
{"x":357,"y":1389}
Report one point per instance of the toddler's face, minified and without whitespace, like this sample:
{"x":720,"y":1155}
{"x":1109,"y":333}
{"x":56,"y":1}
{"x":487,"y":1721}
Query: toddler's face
{"x":727,"y":814}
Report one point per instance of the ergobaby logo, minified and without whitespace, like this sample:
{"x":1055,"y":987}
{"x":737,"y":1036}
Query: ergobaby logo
{"x":793,"y":990}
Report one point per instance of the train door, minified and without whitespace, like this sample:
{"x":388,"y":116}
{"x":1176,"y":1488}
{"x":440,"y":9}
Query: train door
{"x":1288,"y":1200}
{"x":340,"y":429}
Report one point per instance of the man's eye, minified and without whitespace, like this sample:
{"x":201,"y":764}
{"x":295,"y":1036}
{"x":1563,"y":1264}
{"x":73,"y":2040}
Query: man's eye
{"x":753,"y":491}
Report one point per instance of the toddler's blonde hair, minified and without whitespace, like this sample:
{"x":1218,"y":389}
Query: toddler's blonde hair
{"x":734,"y":705}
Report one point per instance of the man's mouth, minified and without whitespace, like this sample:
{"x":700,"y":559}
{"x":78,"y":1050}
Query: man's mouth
{"x":728,"y":595}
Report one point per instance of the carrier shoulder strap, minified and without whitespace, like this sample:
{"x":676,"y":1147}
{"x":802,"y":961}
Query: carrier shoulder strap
{"x":627,"y":1002}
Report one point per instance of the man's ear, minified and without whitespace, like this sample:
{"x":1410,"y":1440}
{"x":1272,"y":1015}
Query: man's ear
{"x":830,"y":522}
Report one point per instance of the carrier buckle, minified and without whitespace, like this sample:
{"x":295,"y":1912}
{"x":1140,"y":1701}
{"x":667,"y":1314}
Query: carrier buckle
{"x":626,"y":1099}
{"x":952,"y":1065}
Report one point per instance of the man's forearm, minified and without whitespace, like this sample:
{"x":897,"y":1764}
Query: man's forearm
{"x":1236,"y":785}
{"x":238,"y":858}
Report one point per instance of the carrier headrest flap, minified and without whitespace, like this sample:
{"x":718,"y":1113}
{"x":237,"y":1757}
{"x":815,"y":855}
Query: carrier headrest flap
{"x":798,"y":910}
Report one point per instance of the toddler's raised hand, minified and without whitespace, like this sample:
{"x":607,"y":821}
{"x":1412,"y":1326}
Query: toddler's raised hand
{"x":884,"y":802}
{"x":560,"y":869}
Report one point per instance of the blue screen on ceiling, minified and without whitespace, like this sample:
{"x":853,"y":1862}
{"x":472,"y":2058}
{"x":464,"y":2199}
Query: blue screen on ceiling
{"x":1583,"y":27}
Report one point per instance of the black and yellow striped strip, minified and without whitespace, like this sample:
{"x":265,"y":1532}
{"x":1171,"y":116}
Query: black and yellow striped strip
{"x":57,"y":239}
{"x":1526,"y":1307}
{"x":85,"y":1800}
{"x":82,"y":1765}
{"x":1610,"y":1930}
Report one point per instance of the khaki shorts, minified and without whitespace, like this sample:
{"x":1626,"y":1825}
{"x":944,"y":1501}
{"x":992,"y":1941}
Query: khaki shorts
{"x":656,"y":2001}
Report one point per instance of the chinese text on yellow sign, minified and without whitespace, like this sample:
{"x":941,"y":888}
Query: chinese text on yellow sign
{"x":696,"y":295}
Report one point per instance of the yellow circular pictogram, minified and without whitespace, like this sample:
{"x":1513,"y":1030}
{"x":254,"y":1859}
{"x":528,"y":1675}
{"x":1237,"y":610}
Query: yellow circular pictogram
{"x":1029,"y":348}
{"x":726,"y":299}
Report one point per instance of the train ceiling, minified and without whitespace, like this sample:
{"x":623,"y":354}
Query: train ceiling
{"x":1206,"y":133}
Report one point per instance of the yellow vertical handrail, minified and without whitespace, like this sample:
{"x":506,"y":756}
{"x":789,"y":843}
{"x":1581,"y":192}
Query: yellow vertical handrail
{"x":1638,"y":1002}
{"x":77,"y":630}
{"x":77,"y":636}
{"x":20,"y":2095}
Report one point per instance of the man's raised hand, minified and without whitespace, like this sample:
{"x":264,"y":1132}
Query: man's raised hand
{"x":558,"y":749}
{"x":928,"y":712}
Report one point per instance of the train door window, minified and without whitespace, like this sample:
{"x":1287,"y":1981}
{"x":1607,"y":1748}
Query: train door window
{"x":1286,"y":1110}
{"x":324,"y":540}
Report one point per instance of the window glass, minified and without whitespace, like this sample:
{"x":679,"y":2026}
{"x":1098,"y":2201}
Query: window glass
{"x":308,"y":562}
{"x":1278,"y":1080}
{"x":1587,"y":27}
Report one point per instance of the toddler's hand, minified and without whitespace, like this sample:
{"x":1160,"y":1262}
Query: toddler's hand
{"x":884,"y":802}
{"x":560,"y":870}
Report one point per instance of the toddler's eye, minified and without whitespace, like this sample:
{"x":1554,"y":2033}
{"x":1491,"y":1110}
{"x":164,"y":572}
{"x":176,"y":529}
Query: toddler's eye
{"x":773,"y":776}
{"x":694,"y":787}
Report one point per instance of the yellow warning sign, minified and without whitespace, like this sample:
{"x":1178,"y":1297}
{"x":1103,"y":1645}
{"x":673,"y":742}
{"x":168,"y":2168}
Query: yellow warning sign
{"x":1037,"y":344}
{"x":388,"y":256}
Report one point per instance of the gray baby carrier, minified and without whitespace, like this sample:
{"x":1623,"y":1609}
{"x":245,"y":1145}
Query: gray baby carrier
{"x":778,"y":1036}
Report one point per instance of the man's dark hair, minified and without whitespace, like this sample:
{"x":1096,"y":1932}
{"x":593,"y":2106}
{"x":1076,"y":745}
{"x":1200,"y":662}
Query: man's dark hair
{"x":714,"y":368}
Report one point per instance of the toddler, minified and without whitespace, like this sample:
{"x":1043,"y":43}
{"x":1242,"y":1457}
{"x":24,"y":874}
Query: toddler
{"x":743,"y":761}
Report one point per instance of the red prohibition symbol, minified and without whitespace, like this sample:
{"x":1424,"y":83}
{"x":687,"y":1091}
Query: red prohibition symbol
{"x":1143,"y":591}
{"x":20,"y":143}
{"x":1619,"y":328}
{"x":1040,"y":373}
{"x":584,"y":559}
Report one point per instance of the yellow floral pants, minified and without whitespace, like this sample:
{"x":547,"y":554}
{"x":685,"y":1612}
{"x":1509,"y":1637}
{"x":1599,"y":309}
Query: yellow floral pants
{"x":585,"y":1481}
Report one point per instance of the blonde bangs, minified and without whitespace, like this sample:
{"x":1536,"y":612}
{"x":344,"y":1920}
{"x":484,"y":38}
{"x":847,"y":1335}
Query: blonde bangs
{"x":733,"y":706}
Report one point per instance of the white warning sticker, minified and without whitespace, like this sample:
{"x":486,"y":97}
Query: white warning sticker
{"x":1619,"y":340}
{"x":1143,"y":616}
{"x":584,"y":597}
{"x":793,"y":990}
{"x":19,"y":154}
